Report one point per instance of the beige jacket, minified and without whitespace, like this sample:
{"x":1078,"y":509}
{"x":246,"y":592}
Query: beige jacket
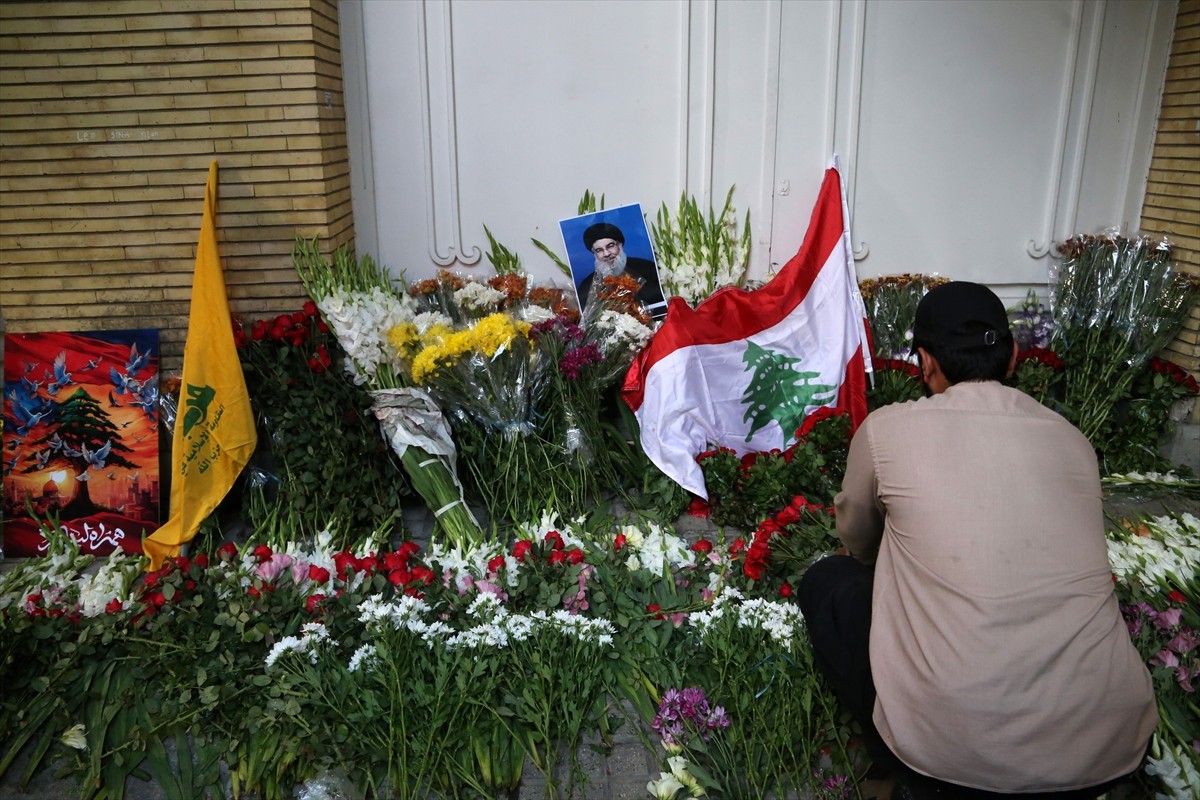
{"x":999,"y":654}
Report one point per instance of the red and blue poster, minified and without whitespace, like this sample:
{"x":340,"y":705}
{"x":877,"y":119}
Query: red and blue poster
{"x":80,"y":444}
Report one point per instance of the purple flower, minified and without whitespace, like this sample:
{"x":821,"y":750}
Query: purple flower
{"x":1184,"y":677}
{"x":1169,"y":618}
{"x":1165,"y":658}
{"x":1184,"y":642}
{"x":575,"y":359}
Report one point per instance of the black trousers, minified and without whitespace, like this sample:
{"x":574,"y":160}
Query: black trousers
{"x":835,"y":598}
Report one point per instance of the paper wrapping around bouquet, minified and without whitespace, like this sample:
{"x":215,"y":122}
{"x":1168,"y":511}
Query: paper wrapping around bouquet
{"x":410,"y":418}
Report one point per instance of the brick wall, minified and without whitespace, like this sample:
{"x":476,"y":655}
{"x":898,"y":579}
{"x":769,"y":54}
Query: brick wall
{"x":110,"y":114}
{"x":1172,"y":205}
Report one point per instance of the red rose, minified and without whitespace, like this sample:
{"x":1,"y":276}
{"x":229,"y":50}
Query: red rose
{"x":258,"y":331}
{"x":785,"y":590}
{"x":157,"y":599}
{"x":521,"y":548}
{"x":399,"y":577}
{"x":656,"y":610}
{"x":114,"y":606}
{"x":253,"y":592}
{"x":317,"y":574}
{"x":496,"y":564}
{"x":309,"y":308}
{"x":227,"y":551}
{"x":408,"y":549}
{"x":1177,"y":597}
{"x":182,"y":563}
{"x":201,"y":560}
{"x":313,"y":604}
{"x":152,"y":578}
{"x":575,"y":555}
{"x":262,"y":552}
{"x":395,"y":561}
{"x":556,"y":557}
{"x":699,"y":507}
{"x":753,"y":570}
{"x":555,"y":540}
{"x":738,"y":546}
{"x":189,"y":584}
{"x":423,"y":575}
{"x":702,"y":546}
{"x":619,"y":542}
{"x":344,"y":561}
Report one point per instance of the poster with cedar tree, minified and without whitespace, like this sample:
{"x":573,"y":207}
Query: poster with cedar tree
{"x":80,"y":443}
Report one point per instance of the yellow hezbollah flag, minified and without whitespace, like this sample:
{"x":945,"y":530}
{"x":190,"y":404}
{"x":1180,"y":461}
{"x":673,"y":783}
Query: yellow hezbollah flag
{"x":214,"y":426}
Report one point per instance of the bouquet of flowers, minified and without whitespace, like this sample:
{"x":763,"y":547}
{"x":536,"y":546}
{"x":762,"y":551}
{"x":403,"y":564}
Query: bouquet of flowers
{"x":310,"y":414}
{"x":521,"y":378}
{"x":361,"y":305}
{"x":891,"y":303}
{"x":1116,"y":301}
{"x":697,"y":253}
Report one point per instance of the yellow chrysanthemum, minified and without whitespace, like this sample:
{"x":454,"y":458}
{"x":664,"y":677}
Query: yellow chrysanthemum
{"x":436,"y":334}
{"x":493,"y":332}
{"x":403,"y":337}
{"x":524,"y":327}
{"x":426,"y":363}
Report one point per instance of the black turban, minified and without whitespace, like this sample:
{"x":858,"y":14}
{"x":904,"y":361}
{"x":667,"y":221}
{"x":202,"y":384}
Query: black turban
{"x":602,"y":230}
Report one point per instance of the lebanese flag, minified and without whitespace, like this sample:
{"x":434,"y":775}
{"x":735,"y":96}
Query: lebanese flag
{"x":744,"y":368}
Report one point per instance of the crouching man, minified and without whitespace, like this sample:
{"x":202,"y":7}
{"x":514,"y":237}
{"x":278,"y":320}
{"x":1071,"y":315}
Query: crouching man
{"x":972,"y":627}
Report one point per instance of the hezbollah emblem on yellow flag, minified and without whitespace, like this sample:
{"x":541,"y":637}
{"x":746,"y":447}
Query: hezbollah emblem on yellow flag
{"x":214,"y":428}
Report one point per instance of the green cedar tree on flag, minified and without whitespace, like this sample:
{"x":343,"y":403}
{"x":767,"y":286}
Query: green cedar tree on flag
{"x":744,"y":368}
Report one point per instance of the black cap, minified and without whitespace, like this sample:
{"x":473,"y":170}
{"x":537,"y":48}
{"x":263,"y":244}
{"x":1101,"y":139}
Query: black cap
{"x":946,"y":310}
{"x":602,"y":230}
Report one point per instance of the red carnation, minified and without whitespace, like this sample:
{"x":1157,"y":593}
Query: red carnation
{"x":556,"y":557}
{"x":313,"y":604}
{"x":555,"y":540}
{"x":575,"y":555}
{"x":496,"y":564}
{"x":317,"y":574}
{"x":702,"y":546}
{"x":619,"y":542}
{"x":521,"y":548}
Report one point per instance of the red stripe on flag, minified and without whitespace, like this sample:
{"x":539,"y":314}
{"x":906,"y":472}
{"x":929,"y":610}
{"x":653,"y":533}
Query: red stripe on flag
{"x":732,"y":313}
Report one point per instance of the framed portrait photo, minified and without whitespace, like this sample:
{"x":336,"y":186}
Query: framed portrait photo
{"x":611,"y":242}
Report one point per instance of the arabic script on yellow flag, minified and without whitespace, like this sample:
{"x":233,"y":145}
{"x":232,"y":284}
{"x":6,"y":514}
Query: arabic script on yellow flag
{"x":214,"y":427}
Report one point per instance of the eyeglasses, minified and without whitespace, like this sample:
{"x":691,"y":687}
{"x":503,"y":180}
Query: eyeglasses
{"x":611,"y":247}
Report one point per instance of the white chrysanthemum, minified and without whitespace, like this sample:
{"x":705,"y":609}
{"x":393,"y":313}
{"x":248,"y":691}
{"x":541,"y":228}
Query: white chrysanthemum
{"x":621,"y":332}
{"x":364,"y":658}
{"x":312,"y":635}
{"x":583,"y":629}
{"x":703,"y":621}
{"x":780,"y":621}
{"x":478,"y":297}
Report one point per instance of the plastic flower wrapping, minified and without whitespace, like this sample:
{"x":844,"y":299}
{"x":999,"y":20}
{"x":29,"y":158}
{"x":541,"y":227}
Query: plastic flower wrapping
{"x":521,"y":378}
{"x":1116,"y":302}
{"x":891,"y":303}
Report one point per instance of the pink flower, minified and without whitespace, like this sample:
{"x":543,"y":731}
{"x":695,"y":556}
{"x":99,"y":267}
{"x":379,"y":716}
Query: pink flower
{"x":1184,"y":642}
{"x":273,"y":566}
{"x":1169,"y":618}
{"x":487,"y":587}
{"x":1185,"y":678}
{"x":1165,"y":658}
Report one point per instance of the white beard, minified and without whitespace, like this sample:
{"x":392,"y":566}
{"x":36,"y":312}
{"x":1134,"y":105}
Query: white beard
{"x":605,"y":270}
